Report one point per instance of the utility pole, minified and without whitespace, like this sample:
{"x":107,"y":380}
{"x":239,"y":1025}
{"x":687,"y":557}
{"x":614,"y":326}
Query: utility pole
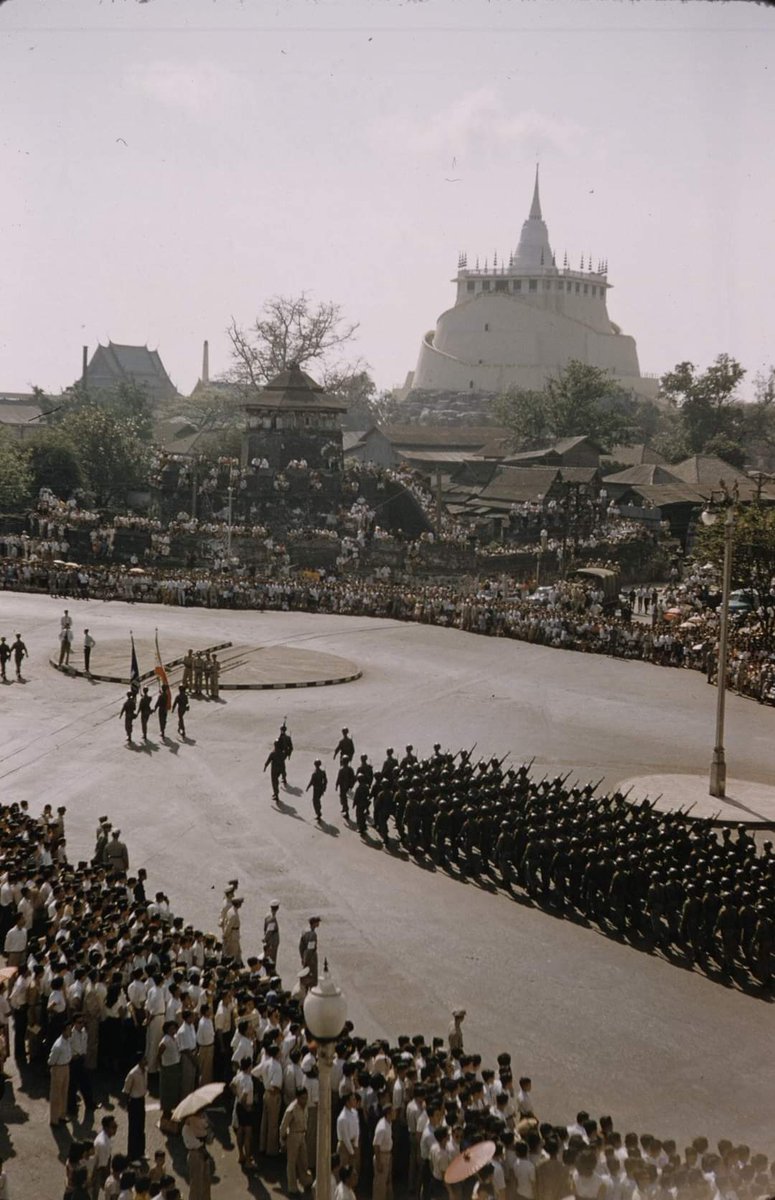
{"x":193,"y":491}
{"x":228,"y":529}
{"x":85,"y":369}
{"x":439,"y":502}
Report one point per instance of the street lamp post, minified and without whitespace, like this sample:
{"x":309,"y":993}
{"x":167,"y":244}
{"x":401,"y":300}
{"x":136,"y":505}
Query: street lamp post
{"x":228,"y":531}
{"x":718,"y":766}
{"x":325,"y":1012}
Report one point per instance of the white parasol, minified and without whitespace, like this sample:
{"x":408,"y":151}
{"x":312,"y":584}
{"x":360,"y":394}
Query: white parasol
{"x":196,"y":1101}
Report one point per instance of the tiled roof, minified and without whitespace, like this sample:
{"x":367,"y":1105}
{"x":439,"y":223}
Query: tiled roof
{"x":293,"y":388}
{"x":457,"y":437}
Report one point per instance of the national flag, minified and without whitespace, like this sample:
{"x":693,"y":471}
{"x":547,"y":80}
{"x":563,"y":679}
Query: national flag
{"x":161,"y":674}
{"x":134,"y":668}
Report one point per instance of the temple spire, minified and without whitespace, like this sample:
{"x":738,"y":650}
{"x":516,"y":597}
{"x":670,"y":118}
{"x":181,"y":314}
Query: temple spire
{"x":535,"y":207}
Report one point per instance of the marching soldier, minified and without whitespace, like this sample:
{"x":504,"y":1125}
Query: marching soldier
{"x":345,"y":747}
{"x":180,"y":706}
{"x":317,"y":785}
{"x":344,"y":782}
{"x":144,"y":710}
{"x":285,"y":745}
{"x":128,"y":713}
{"x":276,"y":761}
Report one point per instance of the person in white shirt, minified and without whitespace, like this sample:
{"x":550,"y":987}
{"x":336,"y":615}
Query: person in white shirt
{"x":155,"y":1008}
{"x":15,"y":945}
{"x":344,"y":1187}
{"x":243,"y":1089}
{"x":524,"y":1172}
{"x":348,"y":1134}
{"x":205,"y":1042}
{"x":103,"y":1150}
{"x":270,"y":1073}
{"x":525,"y":1103}
{"x":383,"y":1156}
{"x":186,"y":1039}
{"x":59,"y":1064}
{"x":241,"y":1044}
{"x":134,"y":1092}
{"x":169,"y":1070}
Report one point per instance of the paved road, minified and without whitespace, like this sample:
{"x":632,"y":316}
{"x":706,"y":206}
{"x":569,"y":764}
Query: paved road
{"x":596,"y":1024}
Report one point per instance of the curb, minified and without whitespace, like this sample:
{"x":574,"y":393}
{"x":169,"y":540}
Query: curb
{"x":270,"y":687}
{"x":168,"y":666}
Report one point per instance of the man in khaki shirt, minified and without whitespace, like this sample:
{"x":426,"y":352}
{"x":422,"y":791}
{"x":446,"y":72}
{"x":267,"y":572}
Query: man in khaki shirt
{"x":293,"y":1136}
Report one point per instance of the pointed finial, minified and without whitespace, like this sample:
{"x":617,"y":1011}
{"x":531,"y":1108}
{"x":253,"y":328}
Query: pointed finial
{"x":554,"y":260}
{"x":535,"y":207}
{"x":495,"y":258}
{"x":582,"y":262}
{"x":542,"y":257}
{"x":487,"y":264}
{"x":477,"y":262}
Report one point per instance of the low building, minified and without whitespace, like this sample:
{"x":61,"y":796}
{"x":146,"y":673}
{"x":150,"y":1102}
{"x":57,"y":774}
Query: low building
{"x":426,"y":447}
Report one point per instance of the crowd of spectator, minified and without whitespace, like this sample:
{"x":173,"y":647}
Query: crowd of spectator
{"x":681,"y":631}
{"x":109,"y":991}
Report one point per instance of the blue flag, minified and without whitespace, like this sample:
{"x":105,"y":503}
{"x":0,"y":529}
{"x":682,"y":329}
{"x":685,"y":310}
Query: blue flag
{"x":134,"y":670}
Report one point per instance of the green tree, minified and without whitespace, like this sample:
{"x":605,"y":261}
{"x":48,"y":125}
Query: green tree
{"x":753,"y":557}
{"x":113,"y":457}
{"x":127,"y":401}
{"x":706,"y":403}
{"x":582,"y":401}
{"x":15,"y":477}
{"x":54,"y":463}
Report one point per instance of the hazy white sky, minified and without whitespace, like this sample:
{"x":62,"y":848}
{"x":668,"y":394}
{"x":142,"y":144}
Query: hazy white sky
{"x":169,"y":164}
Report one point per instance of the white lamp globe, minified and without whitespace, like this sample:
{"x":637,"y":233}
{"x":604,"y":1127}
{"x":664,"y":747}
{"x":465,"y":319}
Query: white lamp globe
{"x":325,"y":1009}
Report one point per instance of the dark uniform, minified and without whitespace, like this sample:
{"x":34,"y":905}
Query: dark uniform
{"x":180,"y":705}
{"x":144,"y":710}
{"x":276,"y":761}
{"x":345,"y":747}
{"x":285,"y":745}
{"x":317,"y":785}
{"x":129,"y":714}
{"x":345,"y":780}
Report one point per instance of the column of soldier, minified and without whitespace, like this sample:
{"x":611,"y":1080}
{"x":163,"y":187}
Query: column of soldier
{"x":656,"y":877}
{"x":110,"y":985}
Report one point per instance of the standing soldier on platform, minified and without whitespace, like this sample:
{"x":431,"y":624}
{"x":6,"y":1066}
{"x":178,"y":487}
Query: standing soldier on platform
{"x":318,"y":783}
{"x":188,"y":669}
{"x":207,"y":673}
{"x":198,"y":672}
{"x":215,"y":678}
{"x":88,"y":646}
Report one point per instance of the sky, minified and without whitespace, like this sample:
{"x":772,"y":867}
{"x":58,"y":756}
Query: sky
{"x":168,"y":165}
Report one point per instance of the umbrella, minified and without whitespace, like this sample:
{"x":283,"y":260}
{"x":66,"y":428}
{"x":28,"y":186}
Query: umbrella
{"x":8,"y":973}
{"x":196,"y":1101}
{"x":75,"y":566}
{"x":59,"y":562}
{"x":136,"y":571}
{"x":673,"y":614}
{"x":464,"y":1165}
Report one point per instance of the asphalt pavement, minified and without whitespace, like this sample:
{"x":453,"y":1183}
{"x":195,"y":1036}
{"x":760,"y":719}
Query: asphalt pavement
{"x":596,"y":1023}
